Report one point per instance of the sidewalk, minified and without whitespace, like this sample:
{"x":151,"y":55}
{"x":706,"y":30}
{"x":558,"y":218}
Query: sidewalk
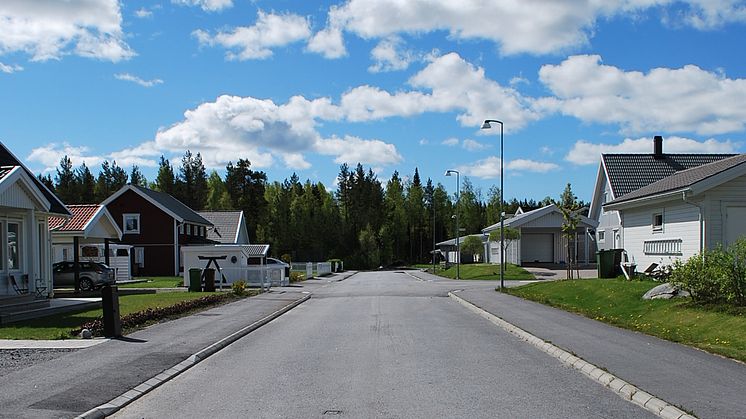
{"x":76,"y":382}
{"x":707,"y":385}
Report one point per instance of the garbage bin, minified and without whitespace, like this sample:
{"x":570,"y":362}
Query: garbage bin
{"x":617,"y":261}
{"x":195,"y":280}
{"x":209,"y":280}
{"x":110,"y":305}
{"x":605,"y":263}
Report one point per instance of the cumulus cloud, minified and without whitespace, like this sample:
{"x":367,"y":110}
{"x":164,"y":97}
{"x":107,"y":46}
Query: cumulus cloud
{"x":450,"y":142}
{"x":49,"y":156}
{"x":687,"y":99}
{"x":472,"y":145}
{"x":328,"y":42}
{"x":10,"y":68}
{"x":143,"y":13}
{"x":586,"y":153}
{"x":206,"y":5}
{"x":137,"y":80}
{"x":49,"y":30}
{"x":390,"y":55}
{"x":489,"y":168}
{"x":256,"y":42}
{"x":352,"y":150}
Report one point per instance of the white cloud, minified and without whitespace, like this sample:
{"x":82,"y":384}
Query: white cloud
{"x":295,"y":161}
{"x":50,"y":155}
{"x":389,"y":55}
{"x":206,"y":5}
{"x":450,"y":142}
{"x":586,"y":153}
{"x":353,"y":150}
{"x":49,"y":30}
{"x":710,"y":14}
{"x":143,"y":13}
{"x":472,"y":145}
{"x":10,"y":68}
{"x":489,"y":168}
{"x":328,"y":42}
{"x":687,"y":99}
{"x":138,"y":80}
{"x":256,"y":42}
{"x":424,"y":141}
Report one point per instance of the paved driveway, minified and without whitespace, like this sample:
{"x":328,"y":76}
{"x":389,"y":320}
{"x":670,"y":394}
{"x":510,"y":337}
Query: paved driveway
{"x":552,"y":271}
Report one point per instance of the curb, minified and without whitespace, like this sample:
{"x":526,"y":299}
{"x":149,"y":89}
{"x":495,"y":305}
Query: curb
{"x":145,"y":387}
{"x":622,"y":388}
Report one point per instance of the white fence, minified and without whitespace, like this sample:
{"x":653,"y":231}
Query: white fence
{"x":311,"y":269}
{"x":262,"y":276}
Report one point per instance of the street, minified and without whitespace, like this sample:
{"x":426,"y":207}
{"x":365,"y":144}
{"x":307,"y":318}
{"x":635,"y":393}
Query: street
{"x":381,"y":344}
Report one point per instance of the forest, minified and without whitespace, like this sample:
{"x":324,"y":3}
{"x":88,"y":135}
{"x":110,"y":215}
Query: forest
{"x":364,"y":221}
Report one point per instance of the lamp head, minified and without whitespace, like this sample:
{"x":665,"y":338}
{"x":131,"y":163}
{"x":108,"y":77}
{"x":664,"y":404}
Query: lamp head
{"x":450,"y":172}
{"x":486,"y":125}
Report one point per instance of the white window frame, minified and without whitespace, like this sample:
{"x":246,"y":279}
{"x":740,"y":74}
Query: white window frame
{"x":601,"y":236}
{"x":658,"y":228}
{"x":124,"y":223}
{"x":181,"y":228}
{"x":19,"y":243}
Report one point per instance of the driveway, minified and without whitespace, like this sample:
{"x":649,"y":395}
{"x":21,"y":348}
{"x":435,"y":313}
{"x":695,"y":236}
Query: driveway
{"x":556,"y":271}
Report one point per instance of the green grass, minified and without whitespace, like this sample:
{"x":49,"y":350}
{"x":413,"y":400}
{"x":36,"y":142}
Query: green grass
{"x":157,"y":282}
{"x":487,"y":271}
{"x":59,"y":326}
{"x":716,"y":329}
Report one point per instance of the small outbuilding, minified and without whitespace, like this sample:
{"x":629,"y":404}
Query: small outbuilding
{"x":247,"y":262}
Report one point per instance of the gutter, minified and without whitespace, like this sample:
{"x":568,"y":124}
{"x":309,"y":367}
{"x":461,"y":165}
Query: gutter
{"x":642,"y":200}
{"x":701,"y":222}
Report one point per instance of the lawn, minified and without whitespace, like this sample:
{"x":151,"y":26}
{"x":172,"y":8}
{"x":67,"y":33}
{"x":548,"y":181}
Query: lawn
{"x":487,"y":271}
{"x":157,"y":282}
{"x":59,"y":326}
{"x":716,"y":329}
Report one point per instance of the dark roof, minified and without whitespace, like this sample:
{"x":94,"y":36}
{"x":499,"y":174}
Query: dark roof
{"x":630,"y":172}
{"x":254,"y":250}
{"x":684,"y":178}
{"x":225,"y":225}
{"x":8,"y":159}
{"x":4,"y":170}
{"x":174,"y":205}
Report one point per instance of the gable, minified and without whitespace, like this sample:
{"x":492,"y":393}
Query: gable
{"x":17,"y":196}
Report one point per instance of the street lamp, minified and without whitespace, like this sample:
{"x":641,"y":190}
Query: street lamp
{"x":458,"y":232}
{"x":486,"y":125}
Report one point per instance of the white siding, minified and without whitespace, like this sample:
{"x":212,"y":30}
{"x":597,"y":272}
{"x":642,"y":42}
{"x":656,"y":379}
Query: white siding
{"x":607,"y":222}
{"x":680,"y":222}
{"x":512,"y":252}
{"x":732,"y":193}
{"x":16,"y":197}
{"x":552,"y":220}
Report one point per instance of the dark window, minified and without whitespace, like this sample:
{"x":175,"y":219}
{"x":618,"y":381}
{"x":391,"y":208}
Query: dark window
{"x":122,"y":252}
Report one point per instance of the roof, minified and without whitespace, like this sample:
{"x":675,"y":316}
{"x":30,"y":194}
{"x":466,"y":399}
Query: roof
{"x":630,"y":172}
{"x":8,"y":159}
{"x":82,"y":215}
{"x":165,"y":202}
{"x":226,"y":225}
{"x":256,"y":249}
{"x":684,"y":179}
{"x":529,"y":216}
{"x":4,"y":170}
{"x":452,"y":242}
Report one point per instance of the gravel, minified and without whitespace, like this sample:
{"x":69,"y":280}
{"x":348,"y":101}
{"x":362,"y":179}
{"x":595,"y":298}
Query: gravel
{"x":12,"y":360}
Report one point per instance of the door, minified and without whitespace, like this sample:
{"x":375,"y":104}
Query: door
{"x":735,"y":224}
{"x":537,"y":247}
{"x":617,"y":239}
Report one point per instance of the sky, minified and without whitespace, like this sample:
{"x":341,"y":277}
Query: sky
{"x":305,"y":86}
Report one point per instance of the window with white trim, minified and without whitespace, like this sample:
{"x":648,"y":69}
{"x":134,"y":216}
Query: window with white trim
{"x":14,"y":245}
{"x":658,"y":221}
{"x":189,"y":229}
{"x":131,"y":223}
{"x":181,"y":228}
{"x":601,"y":235}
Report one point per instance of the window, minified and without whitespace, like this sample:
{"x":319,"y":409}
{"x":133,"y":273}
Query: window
{"x":131,"y":223}
{"x":140,"y":256}
{"x":89,"y":251}
{"x":14,"y":246}
{"x":189,"y":229}
{"x":658,"y":222}
{"x":181,"y":228}
{"x":122,"y":252}
{"x":601,"y":235}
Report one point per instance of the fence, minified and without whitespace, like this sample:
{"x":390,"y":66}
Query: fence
{"x":262,"y":276}
{"x":311,"y":269}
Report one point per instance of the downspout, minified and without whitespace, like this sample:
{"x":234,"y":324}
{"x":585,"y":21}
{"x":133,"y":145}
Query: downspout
{"x":701,"y":222}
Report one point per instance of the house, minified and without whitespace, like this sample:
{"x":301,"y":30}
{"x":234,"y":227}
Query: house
{"x":245,"y":262}
{"x":156,"y":225}
{"x":541,"y":238}
{"x":228,"y":227}
{"x":25,"y":207}
{"x":684,"y":213}
{"x":90,"y":230}
{"x":621,"y":174}
{"x":447,"y":248}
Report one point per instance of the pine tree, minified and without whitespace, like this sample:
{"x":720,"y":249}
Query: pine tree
{"x":246,"y":190}
{"x":65,"y":185}
{"x":86,"y":185}
{"x":137,"y":178}
{"x":47,"y":181}
{"x":165,"y":181}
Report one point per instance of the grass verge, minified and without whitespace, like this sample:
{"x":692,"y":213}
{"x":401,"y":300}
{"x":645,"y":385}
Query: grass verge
{"x":487,"y":271}
{"x":717,"y":329}
{"x":157,"y":282}
{"x":59,"y":326}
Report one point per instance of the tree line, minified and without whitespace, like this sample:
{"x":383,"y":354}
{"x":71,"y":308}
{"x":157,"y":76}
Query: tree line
{"x":364,"y":221}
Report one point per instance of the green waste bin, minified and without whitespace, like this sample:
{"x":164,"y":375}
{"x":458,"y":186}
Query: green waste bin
{"x":195,"y":280}
{"x":209,"y":280}
{"x":608,"y":263}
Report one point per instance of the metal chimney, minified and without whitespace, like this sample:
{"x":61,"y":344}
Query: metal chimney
{"x":658,"y":147}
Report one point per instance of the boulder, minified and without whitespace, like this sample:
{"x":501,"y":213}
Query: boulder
{"x":664,"y":292}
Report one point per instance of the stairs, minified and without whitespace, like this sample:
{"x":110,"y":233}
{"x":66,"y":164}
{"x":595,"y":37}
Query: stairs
{"x":21,"y":307}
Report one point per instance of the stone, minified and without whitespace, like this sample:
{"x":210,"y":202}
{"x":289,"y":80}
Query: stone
{"x":86,"y":334}
{"x":665,"y":291}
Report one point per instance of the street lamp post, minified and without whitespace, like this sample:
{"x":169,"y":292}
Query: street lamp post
{"x":458,"y":232}
{"x":486,"y":125}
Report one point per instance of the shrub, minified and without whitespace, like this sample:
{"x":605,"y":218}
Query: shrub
{"x":239,"y":288}
{"x":698,"y":277}
{"x":297,"y":276}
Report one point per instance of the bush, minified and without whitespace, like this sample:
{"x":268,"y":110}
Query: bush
{"x":718,"y":275}
{"x":697,"y":277}
{"x":239,"y":288}
{"x":297,"y":276}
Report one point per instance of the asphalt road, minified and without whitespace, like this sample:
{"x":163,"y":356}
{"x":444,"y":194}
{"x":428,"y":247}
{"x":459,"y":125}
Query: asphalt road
{"x":381,"y":345}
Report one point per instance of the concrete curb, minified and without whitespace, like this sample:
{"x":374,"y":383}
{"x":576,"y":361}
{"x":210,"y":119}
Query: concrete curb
{"x":624,"y":389}
{"x":143,"y":388}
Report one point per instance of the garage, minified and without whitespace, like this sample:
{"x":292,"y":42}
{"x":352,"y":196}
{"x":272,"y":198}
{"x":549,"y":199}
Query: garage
{"x":537,"y":247}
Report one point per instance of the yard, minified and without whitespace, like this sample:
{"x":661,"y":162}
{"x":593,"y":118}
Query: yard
{"x":59,"y":326}
{"x":487,"y":271}
{"x":157,"y":282}
{"x":716,"y":329}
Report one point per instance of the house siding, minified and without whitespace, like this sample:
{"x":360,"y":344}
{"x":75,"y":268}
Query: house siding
{"x":716,"y":201}
{"x":607,"y":222}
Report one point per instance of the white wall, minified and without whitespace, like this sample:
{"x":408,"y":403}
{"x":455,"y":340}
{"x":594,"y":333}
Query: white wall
{"x":732,"y":193}
{"x":607,"y":221}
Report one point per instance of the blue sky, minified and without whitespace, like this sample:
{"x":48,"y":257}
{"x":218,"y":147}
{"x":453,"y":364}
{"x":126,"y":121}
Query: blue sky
{"x":305,"y":86}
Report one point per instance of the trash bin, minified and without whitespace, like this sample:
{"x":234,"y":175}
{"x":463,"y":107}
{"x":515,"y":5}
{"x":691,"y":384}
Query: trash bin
{"x":617,"y":262}
{"x":110,"y":305}
{"x":195,"y":280}
{"x":605,"y":263}
{"x":209,"y":280}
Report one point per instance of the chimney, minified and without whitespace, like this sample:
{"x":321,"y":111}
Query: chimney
{"x":658,"y":147}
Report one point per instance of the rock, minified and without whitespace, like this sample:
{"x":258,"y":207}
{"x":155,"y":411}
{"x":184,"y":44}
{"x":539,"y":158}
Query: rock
{"x":86,"y":334}
{"x":664,"y":292}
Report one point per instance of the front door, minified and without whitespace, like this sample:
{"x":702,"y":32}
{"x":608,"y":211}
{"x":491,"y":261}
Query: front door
{"x":617,"y":239}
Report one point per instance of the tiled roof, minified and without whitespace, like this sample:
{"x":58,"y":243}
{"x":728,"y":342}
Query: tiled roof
{"x":225,"y":225}
{"x":82,"y":214}
{"x":684,"y":178}
{"x":174,"y":205}
{"x":4,"y":170}
{"x":630,"y":172}
{"x":256,"y":249}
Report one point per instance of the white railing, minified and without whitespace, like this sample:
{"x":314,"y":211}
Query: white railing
{"x":323,"y":268}
{"x":310,"y":269}
{"x":262,"y":276}
{"x":662,"y":247}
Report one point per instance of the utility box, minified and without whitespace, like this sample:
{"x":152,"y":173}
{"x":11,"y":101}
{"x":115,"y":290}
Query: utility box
{"x":110,"y":305}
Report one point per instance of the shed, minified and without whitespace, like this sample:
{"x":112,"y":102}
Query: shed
{"x":245,"y":262}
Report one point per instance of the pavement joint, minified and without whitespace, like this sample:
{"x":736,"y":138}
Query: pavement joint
{"x":622,"y":388}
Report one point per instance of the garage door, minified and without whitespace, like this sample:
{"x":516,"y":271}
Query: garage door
{"x":537,"y":247}
{"x":735,"y":224}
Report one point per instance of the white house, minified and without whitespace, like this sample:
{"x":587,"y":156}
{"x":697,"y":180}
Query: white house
{"x":541,"y":239}
{"x":682,"y":214}
{"x":621,"y":174}
{"x":25,"y":207}
{"x":228,"y":227}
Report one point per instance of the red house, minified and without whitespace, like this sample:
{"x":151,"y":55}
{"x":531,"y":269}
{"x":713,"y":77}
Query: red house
{"x":157,"y":225}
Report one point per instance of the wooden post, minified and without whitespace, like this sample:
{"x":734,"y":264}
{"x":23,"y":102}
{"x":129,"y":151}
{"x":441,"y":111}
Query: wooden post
{"x":76,"y":263}
{"x":106,"y":252}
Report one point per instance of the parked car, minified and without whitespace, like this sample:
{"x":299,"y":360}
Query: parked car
{"x":273,"y":261}
{"x":93,"y":275}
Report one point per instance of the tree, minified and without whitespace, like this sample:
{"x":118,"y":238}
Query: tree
{"x":110,"y":179}
{"x":137,"y":178}
{"x":472,"y":245}
{"x":47,"y":181}
{"x":165,"y":181}
{"x":217,"y":195}
{"x":191,"y":183}
{"x":65,"y":184}
{"x":86,"y":185}
{"x":509,"y":234}
{"x":246,"y":190}
{"x":493,"y":205}
{"x":568,"y":205}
